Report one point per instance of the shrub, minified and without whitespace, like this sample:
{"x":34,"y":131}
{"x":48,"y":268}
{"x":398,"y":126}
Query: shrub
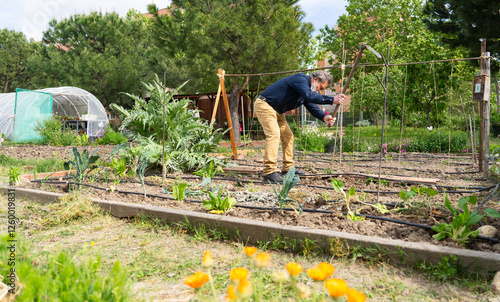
{"x":112,"y":138}
{"x":438,"y":141}
{"x":188,"y":140}
{"x":441,"y":141}
{"x":51,"y":133}
{"x":363,"y":123}
{"x":311,"y":140}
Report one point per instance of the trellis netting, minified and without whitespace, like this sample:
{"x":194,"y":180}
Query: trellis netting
{"x":21,"y":111}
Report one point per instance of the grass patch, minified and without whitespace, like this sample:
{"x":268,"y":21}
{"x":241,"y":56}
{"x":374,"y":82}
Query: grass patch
{"x":69,"y":208}
{"x":31,"y":165}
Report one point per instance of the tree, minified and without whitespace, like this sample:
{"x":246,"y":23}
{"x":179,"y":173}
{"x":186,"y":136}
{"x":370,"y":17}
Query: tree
{"x":243,"y":37}
{"x":397,"y":24}
{"x":14,"y":52}
{"x":463,"y":22}
{"x":104,"y":54}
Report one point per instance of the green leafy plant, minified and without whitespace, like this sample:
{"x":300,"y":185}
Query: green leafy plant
{"x":325,"y":196}
{"x":460,"y":229}
{"x":83,"y":163}
{"x":60,"y":277}
{"x":50,"y":131}
{"x":112,"y":138}
{"x":14,"y":175}
{"x":289,"y":181}
{"x":141,"y":170}
{"x":337,"y":186}
{"x":178,"y":191}
{"x":188,"y":141}
{"x":209,"y":170}
{"x":118,"y":167}
{"x":218,"y":205}
{"x":82,"y":140}
{"x":447,"y":269}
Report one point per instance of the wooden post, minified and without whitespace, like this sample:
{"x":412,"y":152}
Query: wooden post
{"x":481,"y":93}
{"x":487,"y":105}
{"x":216,"y":105}
{"x":228,"y":114}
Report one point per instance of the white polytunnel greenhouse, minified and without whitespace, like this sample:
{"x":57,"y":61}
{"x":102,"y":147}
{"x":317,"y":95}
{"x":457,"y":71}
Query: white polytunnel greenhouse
{"x":22,"y":110}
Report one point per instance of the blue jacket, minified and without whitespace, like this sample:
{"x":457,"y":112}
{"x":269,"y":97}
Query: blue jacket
{"x":293,"y":91}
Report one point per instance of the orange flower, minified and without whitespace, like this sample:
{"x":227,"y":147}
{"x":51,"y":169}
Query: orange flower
{"x":244,"y":288}
{"x":238,"y":273}
{"x":355,"y":296}
{"x":336,"y":287}
{"x":316,"y":274}
{"x":231,"y":293}
{"x":197,"y":279}
{"x":250,"y":251}
{"x":294,"y":268}
{"x":262,"y":260}
{"x":327,"y":268}
{"x":207,"y":260}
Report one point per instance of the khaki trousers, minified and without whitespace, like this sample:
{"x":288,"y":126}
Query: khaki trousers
{"x":275,"y":128}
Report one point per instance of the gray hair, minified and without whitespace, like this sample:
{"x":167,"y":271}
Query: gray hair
{"x":323,"y":76}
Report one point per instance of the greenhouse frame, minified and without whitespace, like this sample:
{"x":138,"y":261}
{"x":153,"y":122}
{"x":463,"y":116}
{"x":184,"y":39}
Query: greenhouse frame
{"x":22,"y":110}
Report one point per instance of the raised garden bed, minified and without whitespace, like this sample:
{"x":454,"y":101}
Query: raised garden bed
{"x":324,"y":209}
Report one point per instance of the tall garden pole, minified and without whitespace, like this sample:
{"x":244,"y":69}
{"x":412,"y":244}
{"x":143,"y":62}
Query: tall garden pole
{"x":228,"y":114}
{"x":163,"y":141}
{"x":487,"y":107}
{"x":481,"y":93}
{"x":386,"y":61}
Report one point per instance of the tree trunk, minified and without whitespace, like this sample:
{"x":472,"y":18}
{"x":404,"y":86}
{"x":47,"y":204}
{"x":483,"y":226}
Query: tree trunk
{"x":428,"y":110}
{"x":5,"y":89}
{"x":497,"y":93}
{"x":234,"y":102}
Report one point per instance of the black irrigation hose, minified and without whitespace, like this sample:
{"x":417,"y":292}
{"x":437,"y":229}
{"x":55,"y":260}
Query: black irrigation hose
{"x":275,"y":208}
{"x":476,"y":189}
{"x":479,"y":189}
{"x":487,"y":198}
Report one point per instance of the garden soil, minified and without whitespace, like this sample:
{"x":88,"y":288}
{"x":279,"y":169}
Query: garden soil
{"x":454,"y":173}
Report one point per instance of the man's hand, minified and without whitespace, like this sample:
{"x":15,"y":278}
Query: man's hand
{"x":329,"y":120}
{"x":339,"y":99}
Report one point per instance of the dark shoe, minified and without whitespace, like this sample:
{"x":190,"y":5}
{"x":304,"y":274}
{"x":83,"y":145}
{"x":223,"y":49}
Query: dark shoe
{"x":297,"y":172}
{"x":273,"y":178}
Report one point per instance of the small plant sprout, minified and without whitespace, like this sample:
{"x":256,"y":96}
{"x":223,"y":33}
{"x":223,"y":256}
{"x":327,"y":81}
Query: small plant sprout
{"x":337,"y":186}
{"x":209,"y":170}
{"x":407,"y":195}
{"x":83,"y":164}
{"x":289,"y":181}
{"x":141,"y":170}
{"x":217,"y":205}
{"x":326,"y":196}
{"x":178,"y":191}
{"x":460,"y":229}
{"x":14,"y":175}
{"x":119,"y":167}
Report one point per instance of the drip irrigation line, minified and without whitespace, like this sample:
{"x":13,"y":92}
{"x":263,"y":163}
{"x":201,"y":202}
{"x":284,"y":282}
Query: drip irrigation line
{"x":277,"y":208}
{"x":471,"y":189}
{"x":487,"y":198}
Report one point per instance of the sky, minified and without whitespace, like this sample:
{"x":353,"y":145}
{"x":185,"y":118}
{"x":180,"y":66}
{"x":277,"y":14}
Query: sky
{"x":32,"y":16}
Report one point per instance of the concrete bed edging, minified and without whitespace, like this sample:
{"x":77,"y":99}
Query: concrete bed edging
{"x":253,"y":231}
